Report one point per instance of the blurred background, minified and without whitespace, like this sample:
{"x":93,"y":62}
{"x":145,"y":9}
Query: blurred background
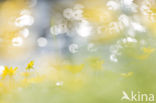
{"x":74,"y":29}
{"x":103,"y":43}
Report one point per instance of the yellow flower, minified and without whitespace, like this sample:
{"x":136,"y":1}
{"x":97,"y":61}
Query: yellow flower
{"x":96,"y":12}
{"x":30,"y":65}
{"x":148,"y":50}
{"x":74,"y":68}
{"x":96,"y":62}
{"x":147,"y":53}
{"x":9,"y":71}
{"x":127,"y":74}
